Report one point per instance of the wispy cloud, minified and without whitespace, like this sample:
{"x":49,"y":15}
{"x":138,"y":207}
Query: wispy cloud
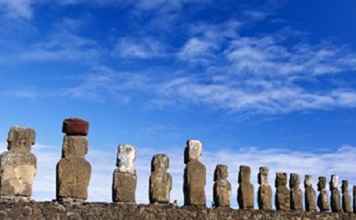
{"x":139,"y":48}
{"x":17,"y":8}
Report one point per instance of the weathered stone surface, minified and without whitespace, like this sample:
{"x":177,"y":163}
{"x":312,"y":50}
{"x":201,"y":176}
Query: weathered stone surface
{"x":282,"y":192}
{"x":74,"y":146}
{"x":245,"y":193}
{"x":310,"y":194}
{"x":323,"y":198}
{"x":73,"y":177}
{"x":160,"y":180}
{"x":75,"y":127}
{"x":193,"y":150}
{"x":354,"y":198}
{"x":346,"y":198}
{"x":124,"y":177}
{"x":124,"y":187}
{"x":222,"y":187}
{"x":335,"y":194}
{"x":265,"y":190}
{"x":18,"y":165}
{"x":296,"y":194}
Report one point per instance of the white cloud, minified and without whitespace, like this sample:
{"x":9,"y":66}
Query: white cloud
{"x":140,"y":48}
{"x":17,"y":8}
{"x":197,"y":50}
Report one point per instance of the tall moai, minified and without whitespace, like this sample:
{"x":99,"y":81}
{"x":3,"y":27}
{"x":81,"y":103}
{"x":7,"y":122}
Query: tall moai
{"x":194,"y":175}
{"x":124,"y":176}
{"x":18,"y":165}
{"x":310,"y":194}
{"x":245,"y":192}
{"x":73,"y":170}
{"x":354,"y":198}
{"x":222,"y":186}
{"x":282,"y":199}
{"x":335,"y":194}
{"x":296,"y":194}
{"x":160,"y":184}
{"x":265,"y":190}
{"x":323,"y":198}
{"x":346,"y":198}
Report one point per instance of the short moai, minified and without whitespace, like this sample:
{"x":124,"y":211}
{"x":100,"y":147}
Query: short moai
{"x":310,"y":194}
{"x":245,"y":192}
{"x":346,"y":197}
{"x":194,"y":175}
{"x":222,"y":186}
{"x":265,"y":190}
{"x":282,"y":199}
{"x":296,"y":194}
{"x":354,"y":198}
{"x":73,"y":170}
{"x":18,"y":165}
{"x":124,"y":176}
{"x":323,"y":198}
{"x":335,"y":194}
{"x":160,"y":184}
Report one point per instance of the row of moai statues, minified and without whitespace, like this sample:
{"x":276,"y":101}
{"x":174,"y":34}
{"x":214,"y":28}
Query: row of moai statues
{"x":73,"y":172}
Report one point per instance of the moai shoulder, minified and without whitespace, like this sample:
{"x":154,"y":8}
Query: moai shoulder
{"x":346,"y":198}
{"x":282,"y":192}
{"x":323,"y":198}
{"x":124,"y":176}
{"x":296,"y":193}
{"x":18,"y":165}
{"x":222,"y":186}
{"x":194,"y":175}
{"x":265,"y":190}
{"x":245,"y":194}
{"x":335,"y":194}
{"x":160,"y":184}
{"x":73,"y":170}
{"x":310,"y":194}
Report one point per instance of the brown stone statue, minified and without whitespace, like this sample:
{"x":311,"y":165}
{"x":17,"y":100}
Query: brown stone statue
{"x":282,"y":192}
{"x":310,"y":194}
{"x":194,"y":175}
{"x":265,"y":190}
{"x":222,"y":187}
{"x":335,"y":194}
{"x":323,"y":198}
{"x":73,"y":170}
{"x":18,"y":165}
{"x":160,"y":180}
{"x":124,"y":176}
{"x":346,"y":198}
{"x":296,"y":194}
{"x":245,"y":193}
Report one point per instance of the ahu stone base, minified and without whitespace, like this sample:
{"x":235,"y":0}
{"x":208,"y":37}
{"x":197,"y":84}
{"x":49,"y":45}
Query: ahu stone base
{"x":110,"y":211}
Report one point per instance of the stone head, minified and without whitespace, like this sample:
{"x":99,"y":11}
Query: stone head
{"x":21,"y":139}
{"x":193,"y":150}
{"x":294,"y":180}
{"x":126,"y":155}
{"x":334,"y":182}
{"x":221,"y":172}
{"x":308,"y":180}
{"x":354,"y":191}
{"x":321,"y":183}
{"x":345,"y":185}
{"x":263,"y":176}
{"x":244,"y":174}
{"x":159,"y":162}
{"x":281,"y":179}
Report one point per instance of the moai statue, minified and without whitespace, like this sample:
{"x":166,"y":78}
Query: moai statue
{"x":282,"y":192}
{"x":222,"y":186}
{"x":335,"y":194}
{"x":265,"y":190}
{"x":18,"y":165}
{"x":323,"y":198}
{"x":354,"y":198}
{"x":160,"y":180}
{"x":194,"y":175}
{"x":310,"y":194}
{"x":346,"y":198}
{"x":124,"y":177}
{"x":73,"y":170}
{"x":245,"y":193}
{"x":296,"y":194}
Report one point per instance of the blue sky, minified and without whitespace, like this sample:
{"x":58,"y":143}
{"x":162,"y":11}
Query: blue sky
{"x":258,"y":82}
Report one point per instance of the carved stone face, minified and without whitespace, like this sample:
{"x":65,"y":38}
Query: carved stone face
{"x":21,"y":139}
{"x":281,"y":179}
{"x":308,"y":181}
{"x":126,"y":156}
{"x":334,"y":182}
{"x":193,"y":150}
{"x":322,"y":183}
{"x":159,"y":162}
{"x":221,"y":172}
{"x":294,"y":180}
{"x":263,"y":176}
{"x":244,"y":174}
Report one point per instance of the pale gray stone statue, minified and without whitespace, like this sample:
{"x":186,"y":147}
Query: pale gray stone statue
{"x":160,"y":185}
{"x":335,"y":194}
{"x":265,"y":190}
{"x":310,"y":194}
